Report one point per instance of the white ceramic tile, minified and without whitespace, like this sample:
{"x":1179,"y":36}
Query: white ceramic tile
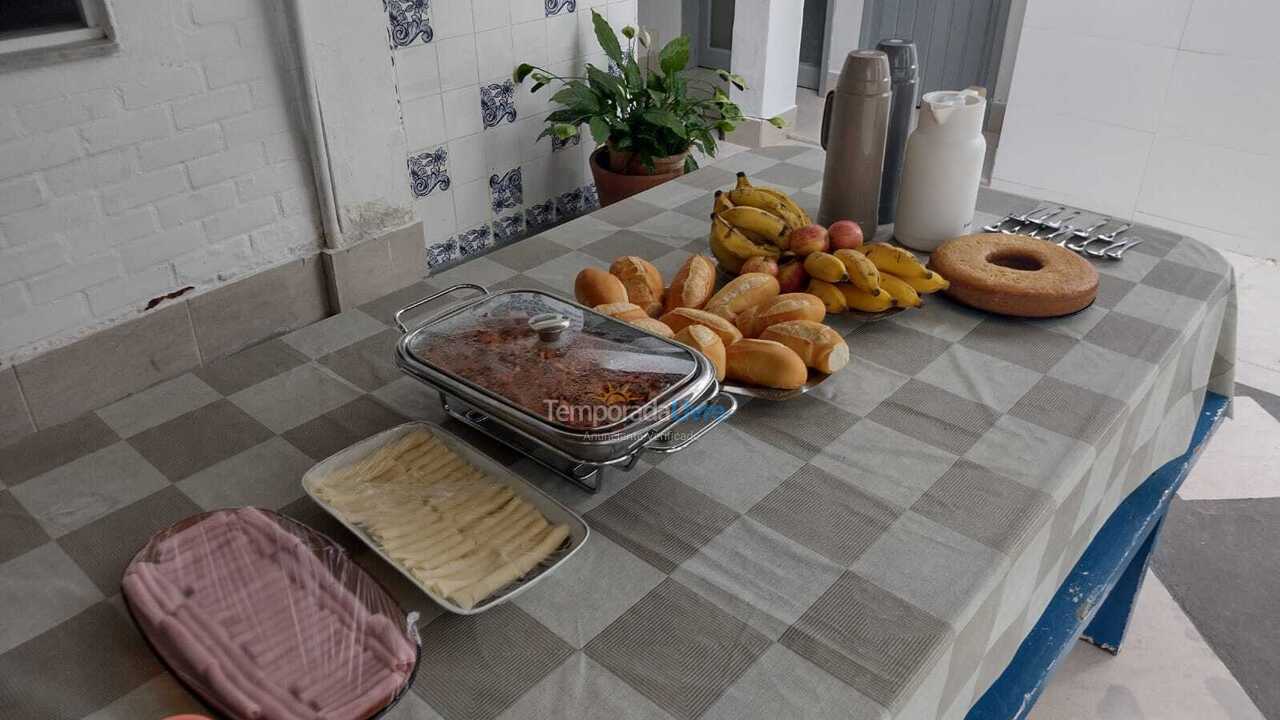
{"x":562,"y":37}
{"x":1215,"y":187}
{"x":496,"y":59}
{"x":526,"y":10}
{"x":1222,"y":100}
{"x":1234,"y":27}
{"x":467,"y":158}
{"x":569,"y":168}
{"x":1165,"y":670}
{"x":1242,"y":264}
{"x":436,"y":213}
{"x":451,"y":18}
{"x":1259,"y":298}
{"x":1145,"y":22}
{"x":459,"y":65}
{"x":622,"y":14}
{"x":424,"y":127}
{"x":471,"y":203}
{"x":536,"y":177}
{"x":1100,"y":165}
{"x":1078,"y":75}
{"x":529,"y":42}
{"x":463,"y":117}
{"x":530,"y":103}
{"x":1243,"y":461}
{"x":417,"y":71}
{"x":1257,"y":376}
{"x":502,"y":148}
{"x":528,"y":129}
{"x":490,"y":14}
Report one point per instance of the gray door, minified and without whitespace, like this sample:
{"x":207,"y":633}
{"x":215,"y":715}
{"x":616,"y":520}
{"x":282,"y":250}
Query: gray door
{"x":958,"y":41}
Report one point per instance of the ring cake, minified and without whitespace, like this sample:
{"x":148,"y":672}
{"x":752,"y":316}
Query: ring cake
{"x":1015,"y":275}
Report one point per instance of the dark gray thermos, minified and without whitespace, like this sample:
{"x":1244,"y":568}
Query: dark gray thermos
{"x":904,"y":75}
{"x":854,"y":123}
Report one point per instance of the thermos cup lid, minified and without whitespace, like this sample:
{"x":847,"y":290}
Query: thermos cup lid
{"x":903,"y":65}
{"x":866,"y":72}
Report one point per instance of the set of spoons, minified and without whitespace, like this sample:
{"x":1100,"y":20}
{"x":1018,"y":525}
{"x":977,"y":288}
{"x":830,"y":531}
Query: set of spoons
{"x":1052,"y":225}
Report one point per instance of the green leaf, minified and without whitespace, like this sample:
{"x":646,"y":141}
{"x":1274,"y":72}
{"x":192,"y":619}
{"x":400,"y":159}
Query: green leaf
{"x":605,"y":83}
{"x":666,"y":119}
{"x":522,"y":72}
{"x":607,"y":39}
{"x":777,"y":122}
{"x":690,"y":164}
{"x":599,"y":130}
{"x":674,"y":56}
{"x":564,"y":131}
{"x":576,"y":94}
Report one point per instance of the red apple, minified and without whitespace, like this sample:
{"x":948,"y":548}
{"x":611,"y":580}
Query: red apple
{"x":760,"y":265}
{"x":845,"y":234}
{"x":792,"y":277}
{"x":808,"y":240}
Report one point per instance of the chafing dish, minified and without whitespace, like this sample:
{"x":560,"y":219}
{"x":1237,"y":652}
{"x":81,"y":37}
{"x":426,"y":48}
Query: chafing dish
{"x":575,"y":390}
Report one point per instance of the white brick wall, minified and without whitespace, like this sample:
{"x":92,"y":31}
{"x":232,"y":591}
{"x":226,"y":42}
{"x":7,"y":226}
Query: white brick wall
{"x":178,"y":160}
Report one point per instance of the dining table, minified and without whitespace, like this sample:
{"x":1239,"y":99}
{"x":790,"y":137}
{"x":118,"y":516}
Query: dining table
{"x":878,"y":547}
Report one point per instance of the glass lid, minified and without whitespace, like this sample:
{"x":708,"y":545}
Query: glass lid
{"x":553,"y":359}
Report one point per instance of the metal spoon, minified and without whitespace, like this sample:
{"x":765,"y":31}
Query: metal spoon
{"x":1054,"y":224}
{"x":1086,"y":235}
{"x":1065,"y":230}
{"x":1109,"y":239}
{"x":1011,"y":217}
{"x":1037,"y":219}
{"x":1115,"y":252}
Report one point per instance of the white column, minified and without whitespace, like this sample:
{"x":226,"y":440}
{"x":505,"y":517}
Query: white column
{"x":766,"y":53}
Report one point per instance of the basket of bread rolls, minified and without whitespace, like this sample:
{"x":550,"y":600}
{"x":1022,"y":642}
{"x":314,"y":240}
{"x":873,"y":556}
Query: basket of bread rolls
{"x":780,"y":276}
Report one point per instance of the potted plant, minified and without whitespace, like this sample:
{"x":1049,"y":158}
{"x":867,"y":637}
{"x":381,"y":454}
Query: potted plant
{"x":645,"y":120}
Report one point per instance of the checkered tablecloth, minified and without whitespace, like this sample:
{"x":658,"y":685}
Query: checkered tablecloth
{"x":875,"y":549}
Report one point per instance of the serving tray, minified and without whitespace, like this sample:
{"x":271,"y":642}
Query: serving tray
{"x":555,"y":512}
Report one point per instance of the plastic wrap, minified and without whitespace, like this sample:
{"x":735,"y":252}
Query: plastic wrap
{"x":267,"y":619}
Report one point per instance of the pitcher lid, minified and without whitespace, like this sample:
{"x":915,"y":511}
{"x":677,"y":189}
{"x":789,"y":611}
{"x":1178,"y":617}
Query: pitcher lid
{"x":866,"y":72}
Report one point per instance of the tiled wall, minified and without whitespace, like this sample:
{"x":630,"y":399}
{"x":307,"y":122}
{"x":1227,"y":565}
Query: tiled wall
{"x":1161,"y":110}
{"x":176,"y":161}
{"x":478,"y":176}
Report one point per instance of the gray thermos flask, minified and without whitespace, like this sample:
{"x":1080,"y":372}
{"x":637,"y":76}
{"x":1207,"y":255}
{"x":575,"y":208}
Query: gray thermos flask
{"x":855,"y":122}
{"x":904,"y":75}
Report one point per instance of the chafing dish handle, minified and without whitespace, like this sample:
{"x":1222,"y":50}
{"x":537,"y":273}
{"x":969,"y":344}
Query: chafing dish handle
{"x":413,"y":305}
{"x":730,"y":409}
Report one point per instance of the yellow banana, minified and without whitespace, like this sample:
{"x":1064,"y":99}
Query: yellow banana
{"x":895,"y":261}
{"x":863,"y":273}
{"x":925,"y":286}
{"x":825,"y":266}
{"x":738,"y":244}
{"x":730,"y":262}
{"x":798,"y":212}
{"x":756,"y":220}
{"x":863,"y":301}
{"x":903,"y":294}
{"x":722,"y":202}
{"x":830,"y":296}
{"x":756,"y":197}
{"x":742,"y":182}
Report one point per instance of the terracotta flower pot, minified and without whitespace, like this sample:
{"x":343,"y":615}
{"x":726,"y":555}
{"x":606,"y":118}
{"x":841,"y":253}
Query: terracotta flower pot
{"x":614,"y":186}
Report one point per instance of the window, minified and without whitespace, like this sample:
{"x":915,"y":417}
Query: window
{"x":37,"y":24}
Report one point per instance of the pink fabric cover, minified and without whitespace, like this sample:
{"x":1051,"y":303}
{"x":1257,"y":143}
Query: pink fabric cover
{"x":268,"y":620}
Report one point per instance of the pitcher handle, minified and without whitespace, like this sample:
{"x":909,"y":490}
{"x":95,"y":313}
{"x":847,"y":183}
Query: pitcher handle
{"x":826,"y":118}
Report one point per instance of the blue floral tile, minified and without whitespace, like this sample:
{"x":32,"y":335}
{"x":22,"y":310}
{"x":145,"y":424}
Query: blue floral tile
{"x":497,"y":103}
{"x":571,"y":204}
{"x":555,"y":7}
{"x":407,"y":22}
{"x":591,"y":199}
{"x":442,"y":253}
{"x":540,"y":217}
{"x":428,"y":171}
{"x":506,"y":191}
{"x":475,"y":241}
{"x":573,"y":140}
{"x":508,"y":229}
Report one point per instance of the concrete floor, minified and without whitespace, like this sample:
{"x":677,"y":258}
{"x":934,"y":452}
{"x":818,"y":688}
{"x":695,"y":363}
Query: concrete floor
{"x":1205,"y":642}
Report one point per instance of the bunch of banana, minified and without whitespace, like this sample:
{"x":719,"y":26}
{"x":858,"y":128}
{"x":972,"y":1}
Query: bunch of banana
{"x":872,"y":279}
{"x":764,"y":217}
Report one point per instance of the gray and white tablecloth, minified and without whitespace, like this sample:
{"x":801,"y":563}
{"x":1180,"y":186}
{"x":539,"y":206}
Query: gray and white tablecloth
{"x":875,"y":549}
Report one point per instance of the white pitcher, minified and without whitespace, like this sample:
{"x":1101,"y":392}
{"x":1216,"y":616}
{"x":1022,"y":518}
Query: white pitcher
{"x":942,"y":170}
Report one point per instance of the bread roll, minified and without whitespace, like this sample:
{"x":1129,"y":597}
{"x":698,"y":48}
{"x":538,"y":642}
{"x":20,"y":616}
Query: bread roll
{"x":706,"y":341}
{"x":788,"y":306}
{"x":594,"y":286}
{"x":642,"y":281}
{"x":820,"y":347}
{"x":622,"y":311}
{"x":741,"y":293}
{"x":693,"y":284}
{"x":681,"y":318}
{"x":765,"y":362}
{"x":657,"y":327}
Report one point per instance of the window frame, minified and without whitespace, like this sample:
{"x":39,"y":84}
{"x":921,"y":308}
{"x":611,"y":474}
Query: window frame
{"x":41,"y":45}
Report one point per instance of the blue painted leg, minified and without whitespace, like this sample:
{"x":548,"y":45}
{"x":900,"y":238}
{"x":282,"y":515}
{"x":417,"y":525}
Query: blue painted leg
{"x":1111,"y":621}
